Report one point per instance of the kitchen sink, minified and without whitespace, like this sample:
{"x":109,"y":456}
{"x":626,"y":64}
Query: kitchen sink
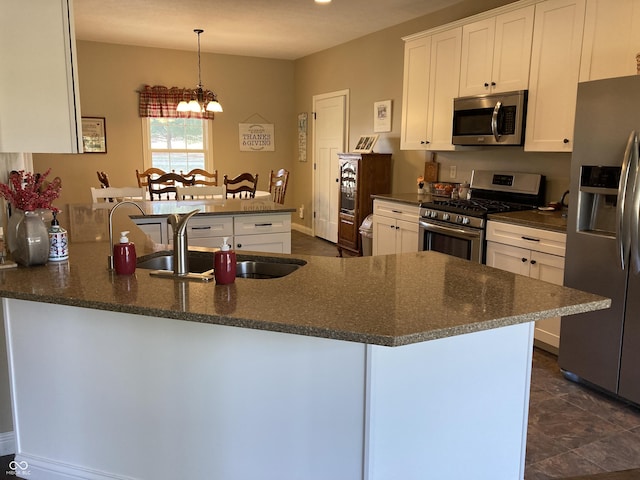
{"x":248,"y":266}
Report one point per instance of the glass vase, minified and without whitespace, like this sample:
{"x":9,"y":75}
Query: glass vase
{"x":32,"y":240}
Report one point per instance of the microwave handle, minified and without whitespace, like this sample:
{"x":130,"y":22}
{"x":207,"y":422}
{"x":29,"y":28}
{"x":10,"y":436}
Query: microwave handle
{"x":494,"y":121}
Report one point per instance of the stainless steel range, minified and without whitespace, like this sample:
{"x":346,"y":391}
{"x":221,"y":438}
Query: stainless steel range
{"x":457,"y":226}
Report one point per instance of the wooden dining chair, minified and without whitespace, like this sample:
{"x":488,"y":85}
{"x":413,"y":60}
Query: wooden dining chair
{"x":116,"y":194}
{"x":103,"y":178}
{"x":165,"y":185}
{"x":242,"y":186}
{"x":278,"y":185}
{"x":202,"y":177}
{"x":200,"y":192}
{"x":141,"y":177}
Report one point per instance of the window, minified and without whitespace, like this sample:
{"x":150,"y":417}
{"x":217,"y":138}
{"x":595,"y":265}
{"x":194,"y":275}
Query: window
{"x":177,"y":144}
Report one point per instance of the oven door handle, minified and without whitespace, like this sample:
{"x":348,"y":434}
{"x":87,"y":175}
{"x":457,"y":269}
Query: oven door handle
{"x":464,"y":234}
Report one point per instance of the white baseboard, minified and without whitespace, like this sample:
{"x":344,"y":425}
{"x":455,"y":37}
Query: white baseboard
{"x":7,"y":443}
{"x":301,"y":228}
{"x":37,"y":468}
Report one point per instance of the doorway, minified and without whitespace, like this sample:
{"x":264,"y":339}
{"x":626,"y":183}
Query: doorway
{"x":330,"y":136}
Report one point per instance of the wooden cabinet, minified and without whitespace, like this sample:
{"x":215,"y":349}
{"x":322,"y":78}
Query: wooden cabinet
{"x":496,"y":52}
{"x":431,"y":78}
{"x":39,"y":98}
{"x":533,"y":253}
{"x":395,"y":227}
{"x":361,"y":175}
{"x":553,"y":81}
{"x":611,"y":39}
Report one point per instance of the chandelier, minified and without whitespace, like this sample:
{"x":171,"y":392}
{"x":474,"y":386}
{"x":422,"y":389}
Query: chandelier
{"x":201,"y":100}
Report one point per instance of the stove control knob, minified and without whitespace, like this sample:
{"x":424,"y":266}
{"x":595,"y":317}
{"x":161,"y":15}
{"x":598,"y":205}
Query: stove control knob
{"x":465,"y":220}
{"x":446,"y":216}
{"x":434,"y":214}
{"x":459,"y":219}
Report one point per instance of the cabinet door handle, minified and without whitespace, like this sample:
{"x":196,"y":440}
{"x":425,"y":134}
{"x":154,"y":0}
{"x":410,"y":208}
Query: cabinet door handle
{"x":523,"y":260}
{"x":486,"y":84}
{"x":392,"y":227}
{"x":530,"y":239}
{"x":533,"y":262}
{"x":493,"y":84}
{"x":397,"y":228}
{"x":424,"y":142}
{"x":566,"y":140}
{"x":239,"y":245}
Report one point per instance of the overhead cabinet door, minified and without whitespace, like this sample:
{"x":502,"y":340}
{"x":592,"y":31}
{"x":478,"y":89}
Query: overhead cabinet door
{"x":555,"y":67}
{"x":39,"y":95}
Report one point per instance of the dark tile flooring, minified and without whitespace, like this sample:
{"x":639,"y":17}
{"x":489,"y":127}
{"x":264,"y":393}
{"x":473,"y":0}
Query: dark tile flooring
{"x":574,"y":432}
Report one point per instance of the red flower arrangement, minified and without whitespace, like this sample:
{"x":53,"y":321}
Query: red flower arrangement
{"x":27,"y":191}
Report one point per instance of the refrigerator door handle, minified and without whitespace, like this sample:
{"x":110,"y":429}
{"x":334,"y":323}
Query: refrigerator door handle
{"x":634,"y":222}
{"x":622,"y":222}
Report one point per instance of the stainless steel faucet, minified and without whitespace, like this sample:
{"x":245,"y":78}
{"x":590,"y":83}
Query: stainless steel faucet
{"x":115,"y":207}
{"x":180,"y":243}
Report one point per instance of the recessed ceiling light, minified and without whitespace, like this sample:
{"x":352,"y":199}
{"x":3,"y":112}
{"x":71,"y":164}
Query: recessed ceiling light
{"x":322,"y":1}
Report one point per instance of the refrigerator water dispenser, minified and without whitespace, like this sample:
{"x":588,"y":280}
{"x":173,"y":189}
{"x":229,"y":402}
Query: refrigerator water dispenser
{"x":598,"y":199}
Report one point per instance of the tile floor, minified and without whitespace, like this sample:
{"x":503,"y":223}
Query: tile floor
{"x":573,"y":431}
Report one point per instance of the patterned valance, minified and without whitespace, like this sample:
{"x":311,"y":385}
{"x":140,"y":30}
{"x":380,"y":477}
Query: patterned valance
{"x":159,"y":101}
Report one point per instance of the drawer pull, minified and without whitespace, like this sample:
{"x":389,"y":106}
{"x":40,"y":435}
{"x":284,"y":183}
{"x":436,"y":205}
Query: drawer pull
{"x":201,"y":228}
{"x":396,"y":211}
{"x":263,"y":224}
{"x":347,"y":222}
{"x":531,"y":239}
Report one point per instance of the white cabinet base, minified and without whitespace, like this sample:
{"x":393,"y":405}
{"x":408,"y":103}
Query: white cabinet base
{"x":128,"y":396}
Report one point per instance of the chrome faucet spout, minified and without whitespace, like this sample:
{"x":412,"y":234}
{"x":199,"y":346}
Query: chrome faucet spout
{"x":113,"y":209}
{"x":180,"y":243}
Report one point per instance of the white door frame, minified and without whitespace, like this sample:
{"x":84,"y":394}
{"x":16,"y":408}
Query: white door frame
{"x":345,"y":146}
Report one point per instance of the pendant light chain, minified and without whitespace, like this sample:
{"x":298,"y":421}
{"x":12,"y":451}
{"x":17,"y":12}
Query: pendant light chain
{"x":199,"y":31}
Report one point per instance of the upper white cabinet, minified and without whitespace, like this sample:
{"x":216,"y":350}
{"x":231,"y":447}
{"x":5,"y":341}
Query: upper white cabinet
{"x":431,"y":77}
{"x":415,"y":93}
{"x":39,"y":96}
{"x":611,"y":39}
{"x":555,"y":68}
{"x":496,"y":52}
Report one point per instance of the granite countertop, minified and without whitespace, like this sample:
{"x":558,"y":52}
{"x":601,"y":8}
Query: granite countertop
{"x":385,"y":300}
{"x":555,"y":220}
{"x":408,"y":198}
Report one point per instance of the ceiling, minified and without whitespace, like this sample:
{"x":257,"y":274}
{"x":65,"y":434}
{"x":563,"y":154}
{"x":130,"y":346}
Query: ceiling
{"x":282,"y":29}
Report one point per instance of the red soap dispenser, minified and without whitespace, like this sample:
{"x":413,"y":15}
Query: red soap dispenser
{"x":224,"y":264}
{"x":124,"y":256}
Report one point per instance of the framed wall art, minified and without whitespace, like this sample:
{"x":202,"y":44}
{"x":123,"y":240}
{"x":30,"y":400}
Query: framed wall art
{"x":94,"y":135}
{"x":365,"y":143}
{"x":382,"y":116}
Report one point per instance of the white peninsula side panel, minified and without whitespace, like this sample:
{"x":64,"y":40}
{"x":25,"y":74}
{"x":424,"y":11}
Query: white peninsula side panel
{"x":104,"y":395}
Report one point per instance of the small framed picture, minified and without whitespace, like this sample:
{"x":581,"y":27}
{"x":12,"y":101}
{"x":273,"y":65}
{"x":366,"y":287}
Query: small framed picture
{"x":365,"y":143}
{"x":382,"y":116}
{"x":94,"y":135}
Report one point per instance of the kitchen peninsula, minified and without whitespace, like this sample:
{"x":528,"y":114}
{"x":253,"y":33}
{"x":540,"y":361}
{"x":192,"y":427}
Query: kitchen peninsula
{"x":395,"y":366}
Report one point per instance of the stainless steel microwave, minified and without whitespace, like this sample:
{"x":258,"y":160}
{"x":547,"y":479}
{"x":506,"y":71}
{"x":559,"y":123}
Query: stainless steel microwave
{"x":491,"y":119}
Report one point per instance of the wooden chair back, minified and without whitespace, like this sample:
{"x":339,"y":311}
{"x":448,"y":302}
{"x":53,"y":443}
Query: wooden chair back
{"x":165,"y":185}
{"x":116,"y":194}
{"x":141,"y":177}
{"x":103,"y":178}
{"x":278,"y":185}
{"x":202,"y":177}
{"x":242,"y":186}
{"x":200,"y":192}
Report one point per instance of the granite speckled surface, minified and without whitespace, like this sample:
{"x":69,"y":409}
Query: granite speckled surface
{"x":548,"y":220}
{"x":386,"y":300}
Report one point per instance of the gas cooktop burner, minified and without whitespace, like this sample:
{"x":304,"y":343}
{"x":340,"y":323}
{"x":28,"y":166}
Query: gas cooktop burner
{"x":478,"y":205}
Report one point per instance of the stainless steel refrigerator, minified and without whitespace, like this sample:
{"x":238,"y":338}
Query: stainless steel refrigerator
{"x":602,"y":256}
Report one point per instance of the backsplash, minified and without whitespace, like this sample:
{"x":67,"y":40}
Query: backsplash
{"x":554,"y":166}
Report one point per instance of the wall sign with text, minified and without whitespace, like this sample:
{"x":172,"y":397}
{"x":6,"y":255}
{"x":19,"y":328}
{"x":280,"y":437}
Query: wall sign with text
{"x":257,"y":137}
